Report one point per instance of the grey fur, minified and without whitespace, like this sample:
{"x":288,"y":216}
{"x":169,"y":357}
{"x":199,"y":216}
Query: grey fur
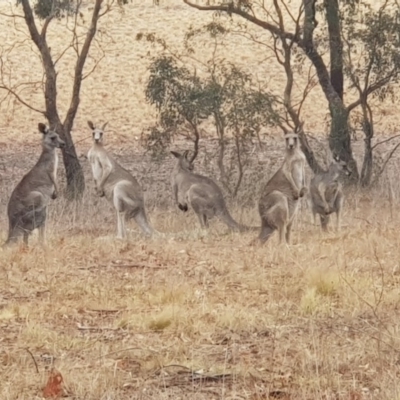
{"x":326,"y":193}
{"x":201,"y":193}
{"x":27,"y":207}
{"x":279,"y":200}
{"x":118,"y":185}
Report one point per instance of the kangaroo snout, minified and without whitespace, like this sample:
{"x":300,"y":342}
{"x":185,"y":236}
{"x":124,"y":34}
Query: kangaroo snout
{"x":61,"y":144}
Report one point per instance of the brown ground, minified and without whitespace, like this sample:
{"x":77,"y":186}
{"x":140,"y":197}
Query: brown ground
{"x":189,"y":315}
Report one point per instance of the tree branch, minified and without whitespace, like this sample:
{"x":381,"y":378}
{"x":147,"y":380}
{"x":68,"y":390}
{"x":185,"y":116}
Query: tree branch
{"x":385,"y":141}
{"x":30,"y":23}
{"x":78,"y":76}
{"x":13,"y":93}
{"x":372,"y":88}
{"x":230,"y":8}
{"x":388,"y":158}
{"x":45,"y":26}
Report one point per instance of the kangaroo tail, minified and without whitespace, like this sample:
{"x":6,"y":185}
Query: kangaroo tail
{"x":266,"y":232}
{"x":245,"y":228}
{"x":226,"y":217}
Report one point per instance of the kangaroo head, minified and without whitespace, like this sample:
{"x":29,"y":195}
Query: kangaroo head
{"x":97,"y":132}
{"x":341,"y":165}
{"x":291,"y":141}
{"x":183,"y":160}
{"x":51,"y":139}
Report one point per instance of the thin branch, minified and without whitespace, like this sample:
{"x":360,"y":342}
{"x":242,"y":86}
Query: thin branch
{"x":12,"y":92}
{"x":388,"y":158}
{"x":94,"y":67}
{"x":384,"y":141}
{"x":372,"y":88}
{"x":231,"y":9}
{"x":307,"y":89}
{"x":80,"y":64}
{"x":33,"y":358}
{"x":11,"y":15}
{"x":295,"y":20}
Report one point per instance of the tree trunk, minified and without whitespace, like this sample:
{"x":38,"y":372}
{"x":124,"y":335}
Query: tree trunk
{"x":240,"y":164}
{"x":195,"y":141}
{"x":339,"y":137}
{"x":368,"y":128}
{"x":219,"y":125}
{"x":335,"y":45}
{"x":73,"y":168}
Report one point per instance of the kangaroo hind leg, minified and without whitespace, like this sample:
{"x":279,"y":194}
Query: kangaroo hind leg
{"x":324,"y":221}
{"x":120,"y":210}
{"x":266,"y":231}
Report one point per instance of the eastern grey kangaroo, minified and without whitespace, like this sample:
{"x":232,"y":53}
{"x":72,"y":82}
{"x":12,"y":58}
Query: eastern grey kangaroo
{"x":200,"y":193}
{"x":27,"y":207}
{"x":326,"y":193}
{"x":279,"y":200}
{"x":117,"y":184}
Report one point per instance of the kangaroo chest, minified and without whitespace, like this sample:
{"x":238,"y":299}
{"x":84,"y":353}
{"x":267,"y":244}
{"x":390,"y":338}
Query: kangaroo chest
{"x":97,"y":169}
{"x":298,"y":171}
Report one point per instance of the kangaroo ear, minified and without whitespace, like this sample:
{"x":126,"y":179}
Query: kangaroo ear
{"x":104,"y":126}
{"x":42,"y":128}
{"x":91,"y":125}
{"x":185,"y":154}
{"x":176,"y":154}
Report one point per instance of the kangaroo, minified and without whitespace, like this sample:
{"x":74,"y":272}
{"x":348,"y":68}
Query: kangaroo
{"x":326,"y":193}
{"x":117,"y":184}
{"x":201,"y":193}
{"x":279,"y":200}
{"x":27,"y":207}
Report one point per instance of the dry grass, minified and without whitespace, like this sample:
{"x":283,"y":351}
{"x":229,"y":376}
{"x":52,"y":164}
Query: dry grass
{"x":189,"y":315}
{"x":201,"y":316}
{"x":132,"y":320}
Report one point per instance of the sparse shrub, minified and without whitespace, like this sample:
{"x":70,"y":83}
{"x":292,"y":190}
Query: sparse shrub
{"x":324,"y":281}
{"x":160,"y":322}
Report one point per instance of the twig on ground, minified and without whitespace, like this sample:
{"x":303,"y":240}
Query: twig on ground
{"x":95,"y":328}
{"x":33,"y":358}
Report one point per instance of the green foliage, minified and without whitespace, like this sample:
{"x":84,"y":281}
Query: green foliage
{"x":59,"y":8}
{"x":55,"y":8}
{"x":373,"y":46}
{"x":247,"y":109}
{"x":179,"y":95}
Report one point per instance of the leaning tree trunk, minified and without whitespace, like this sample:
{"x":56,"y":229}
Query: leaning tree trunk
{"x":368,"y":128}
{"x":339,"y":137}
{"x":73,"y":168}
{"x":335,"y":45}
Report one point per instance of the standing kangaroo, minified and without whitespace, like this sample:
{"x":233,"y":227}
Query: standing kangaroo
{"x":201,"y":193}
{"x":279,"y":200}
{"x":27,"y":207}
{"x":327,"y":193}
{"x":118,"y":185}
